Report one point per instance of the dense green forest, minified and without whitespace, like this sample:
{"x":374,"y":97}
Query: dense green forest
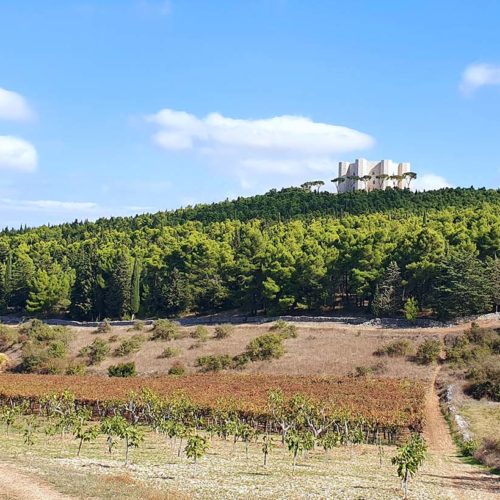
{"x":393,"y":252}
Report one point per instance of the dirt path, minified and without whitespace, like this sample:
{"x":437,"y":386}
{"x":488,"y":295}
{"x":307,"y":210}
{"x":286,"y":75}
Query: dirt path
{"x":16,"y":485}
{"x":461,"y":480}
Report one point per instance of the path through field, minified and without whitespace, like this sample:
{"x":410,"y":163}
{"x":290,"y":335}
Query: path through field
{"x":16,"y":485}
{"x":461,"y":480}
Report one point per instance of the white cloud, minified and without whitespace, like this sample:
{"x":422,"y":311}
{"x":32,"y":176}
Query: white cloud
{"x":14,"y":106}
{"x":286,"y":145}
{"x":479,"y":75}
{"x":17,"y":154}
{"x":48,"y":205}
{"x":428,"y":182}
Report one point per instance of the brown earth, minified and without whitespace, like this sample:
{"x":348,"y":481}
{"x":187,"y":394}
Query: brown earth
{"x":17,"y":485}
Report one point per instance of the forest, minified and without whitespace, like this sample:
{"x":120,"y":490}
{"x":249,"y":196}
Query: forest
{"x":392,"y":252}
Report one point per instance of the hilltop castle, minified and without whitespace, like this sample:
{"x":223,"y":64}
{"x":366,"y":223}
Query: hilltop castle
{"x":370,"y":175}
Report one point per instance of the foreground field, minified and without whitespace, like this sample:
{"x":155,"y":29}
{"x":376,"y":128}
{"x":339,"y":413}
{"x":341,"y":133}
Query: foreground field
{"x":226,"y":472}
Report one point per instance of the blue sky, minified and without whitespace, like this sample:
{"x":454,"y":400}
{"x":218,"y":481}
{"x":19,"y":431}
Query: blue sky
{"x":124,"y":106}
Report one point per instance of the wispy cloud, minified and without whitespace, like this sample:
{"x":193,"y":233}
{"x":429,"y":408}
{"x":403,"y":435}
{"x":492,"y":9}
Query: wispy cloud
{"x":14,"y":106}
{"x":286,"y":145}
{"x":17,"y":154}
{"x":476,"y":76}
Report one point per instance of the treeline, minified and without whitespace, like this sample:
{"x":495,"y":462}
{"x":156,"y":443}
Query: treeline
{"x":440,"y":260}
{"x":287,"y":204}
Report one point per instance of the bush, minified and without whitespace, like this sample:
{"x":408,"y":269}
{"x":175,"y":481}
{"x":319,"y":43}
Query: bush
{"x":488,"y":453}
{"x":76,"y":369}
{"x":223,"y":331}
{"x":104,"y":327}
{"x":128,"y":346}
{"x":122,"y":370}
{"x":138,"y":326}
{"x":165,"y":329}
{"x":177,"y":369}
{"x":96,"y":352}
{"x":411,"y":309}
{"x":240,"y":361}
{"x":287,"y":330}
{"x":397,"y":348}
{"x":4,"y":361}
{"x":8,"y":337}
{"x":57,"y":349}
{"x":214,"y":363}
{"x":428,"y":352}
{"x":363,"y":371}
{"x":169,"y":352}
{"x":200,"y":333}
{"x":267,"y":346}
{"x":485,"y":380}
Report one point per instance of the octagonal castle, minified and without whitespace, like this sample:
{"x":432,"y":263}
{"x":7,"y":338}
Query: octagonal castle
{"x":369,"y":175}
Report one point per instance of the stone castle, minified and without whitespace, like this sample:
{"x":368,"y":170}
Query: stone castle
{"x":369,"y":175}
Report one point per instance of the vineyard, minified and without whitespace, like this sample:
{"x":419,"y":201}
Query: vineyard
{"x":384,"y":403}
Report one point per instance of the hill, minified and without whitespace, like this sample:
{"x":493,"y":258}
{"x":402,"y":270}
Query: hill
{"x":285,"y":251}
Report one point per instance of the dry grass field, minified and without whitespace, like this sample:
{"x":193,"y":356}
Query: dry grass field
{"x":319,"y":349}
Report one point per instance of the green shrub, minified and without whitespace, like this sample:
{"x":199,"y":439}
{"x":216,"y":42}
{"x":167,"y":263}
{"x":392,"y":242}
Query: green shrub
{"x":223,"y":331}
{"x":113,"y":338}
{"x":287,"y":330}
{"x":8,"y":337}
{"x":428,"y":352}
{"x":484,"y":379}
{"x":128,"y":346}
{"x":104,"y":327}
{"x":76,"y":369}
{"x":169,"y":352}
{"x":165,"y":329}
{"x":267,"y":346}
{"x":363,"y":371}
{"x":177,"y":369}
{"x":57,"y":349}
{"x":240,"y":361}
{"x":411,"y":309}
{"x":200,"y":333}
{"x":138,"y":326}
{"x":122,"y":370}
{"x":468,"y":448}
{"x":96,"y":352}
{"x":4,"y":361}
{"x":397,"y":348}
{"x":214,"y":363}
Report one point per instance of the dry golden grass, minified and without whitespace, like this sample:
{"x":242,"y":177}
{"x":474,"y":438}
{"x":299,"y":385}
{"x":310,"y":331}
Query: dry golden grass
{"x":319,"y":349}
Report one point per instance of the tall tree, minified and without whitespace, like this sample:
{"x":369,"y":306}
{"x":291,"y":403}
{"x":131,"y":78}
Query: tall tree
{"x":118,"y":287}
{"x":462,"y":286}
{"x":136,"y":287}
{"x":388,"y":296}
{"x":84,"y":288}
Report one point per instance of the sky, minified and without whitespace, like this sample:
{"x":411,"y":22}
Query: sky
{"x":117,"y":107}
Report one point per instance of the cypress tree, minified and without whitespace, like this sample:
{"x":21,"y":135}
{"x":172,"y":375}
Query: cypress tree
{"x":136,"y":284}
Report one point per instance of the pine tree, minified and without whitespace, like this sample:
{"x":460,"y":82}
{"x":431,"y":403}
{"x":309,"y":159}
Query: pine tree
{"x":494,"y":274}
{"x":3,"y":290}
{"x":118,"y":288}
{"x":462,"y":286}
{"x":22,"y":271}
{"x":83,"y":292}
{"x":388,"y":294}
